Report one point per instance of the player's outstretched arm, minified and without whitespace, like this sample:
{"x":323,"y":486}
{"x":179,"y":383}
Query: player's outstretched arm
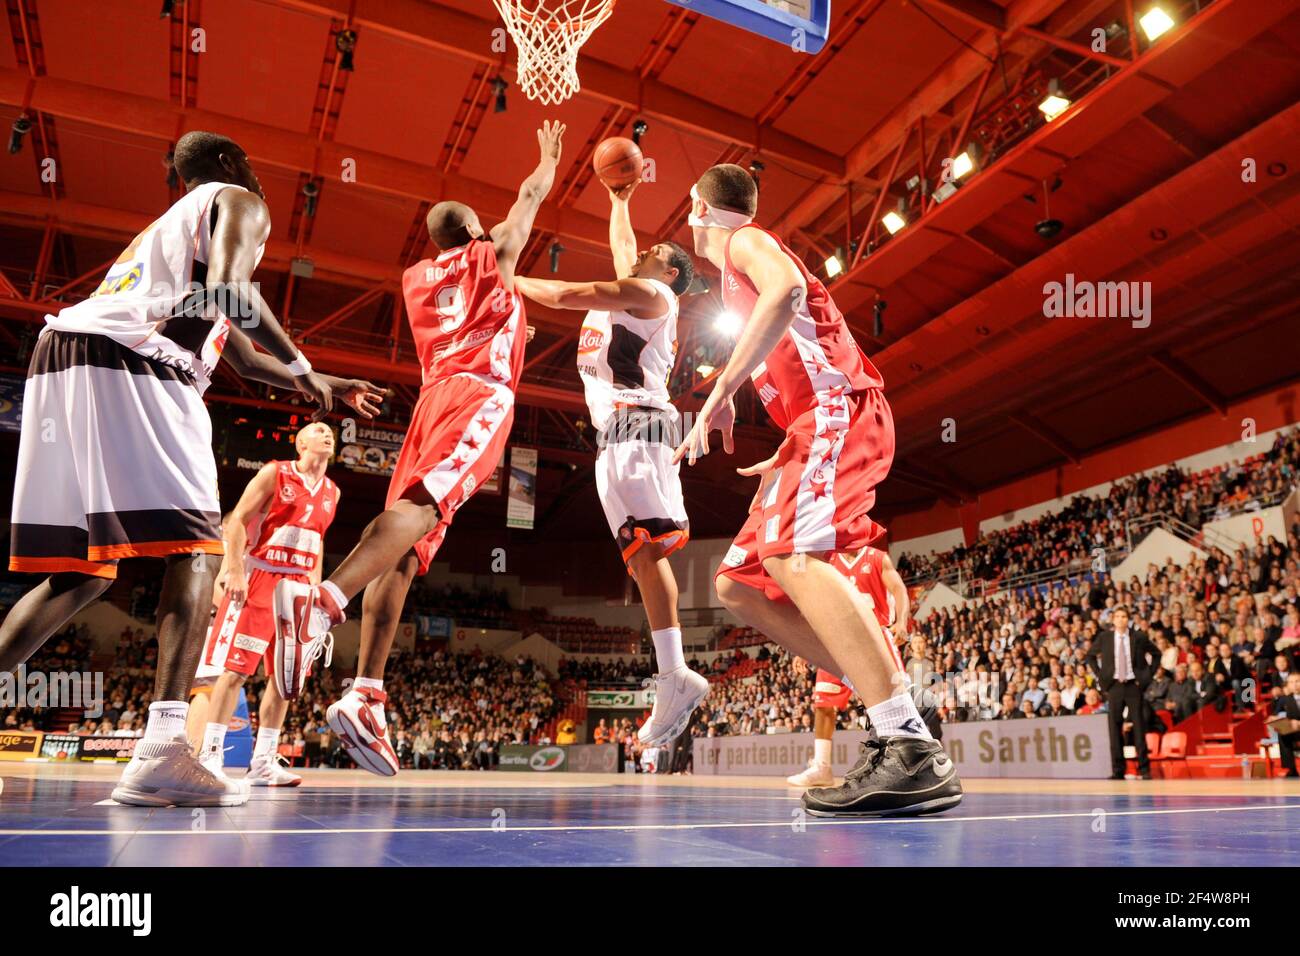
{"x":365,"y":397}
{"x":635,"y":296}
{"x":243,"y":224}
{"x":251,"y":504}
{"x":622,"y":237}
{"x":781,"y":292}
{"x":511,"y":235}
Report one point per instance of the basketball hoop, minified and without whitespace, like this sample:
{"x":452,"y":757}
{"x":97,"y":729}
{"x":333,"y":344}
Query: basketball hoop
{"x":548,"y":34}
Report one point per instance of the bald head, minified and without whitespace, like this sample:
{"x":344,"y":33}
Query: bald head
{"x":452,"y":224}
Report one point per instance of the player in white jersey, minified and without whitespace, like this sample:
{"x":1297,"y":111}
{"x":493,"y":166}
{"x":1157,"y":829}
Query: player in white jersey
{"x":626,"y":351}
{"x":115,"y":454}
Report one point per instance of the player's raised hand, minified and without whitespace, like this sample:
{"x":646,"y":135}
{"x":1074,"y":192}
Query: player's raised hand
{"x":359,"y":394}
{"x":719,"y":412}
{"x":623,"y":193}
{"x":550,"y":139}
{"x":766,"y":471}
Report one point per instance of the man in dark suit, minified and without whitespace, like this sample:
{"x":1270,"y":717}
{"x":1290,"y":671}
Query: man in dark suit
{"x":1123,"y":660}
{"x":1288,"y":705}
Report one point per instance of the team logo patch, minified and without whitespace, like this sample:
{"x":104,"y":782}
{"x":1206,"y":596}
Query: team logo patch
{"x":468,"y":485}
{"x":735,"y":557}
{"x":328,"y":504}
{"x":590,"y":340}
{"x":286,"y":493}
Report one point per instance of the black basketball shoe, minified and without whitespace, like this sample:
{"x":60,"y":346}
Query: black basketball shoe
{"x":896,"y":776}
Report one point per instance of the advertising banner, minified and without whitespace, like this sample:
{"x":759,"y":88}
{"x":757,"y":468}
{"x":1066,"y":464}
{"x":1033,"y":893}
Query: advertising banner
{"x":520,"y":757}
{"x":620,"y":699}
{"x":11,"y":403}
{"x":373,"y":451}
{"x":593,"y":758}
{"x":1053,"y":747}
{"x":19,"y":744}
{"x":522,"y":496}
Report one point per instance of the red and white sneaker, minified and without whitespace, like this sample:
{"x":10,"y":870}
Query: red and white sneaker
{"x":358,"y":718}
{"x":270,"y":772}
{"x":304,"y":615}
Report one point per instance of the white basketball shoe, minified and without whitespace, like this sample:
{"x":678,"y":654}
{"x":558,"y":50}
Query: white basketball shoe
{"x":677,"y":694}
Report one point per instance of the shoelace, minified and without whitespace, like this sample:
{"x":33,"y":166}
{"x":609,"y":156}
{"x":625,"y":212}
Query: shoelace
{"x":321,"y":645}
{"x":872,"y":753}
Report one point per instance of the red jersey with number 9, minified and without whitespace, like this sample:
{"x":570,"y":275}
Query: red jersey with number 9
{"x":293,"y":528}
{"x":463,"y":318}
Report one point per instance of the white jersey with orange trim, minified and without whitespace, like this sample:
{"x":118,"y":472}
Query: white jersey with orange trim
{"x":149,"y":300}
{"x":625,"y":361}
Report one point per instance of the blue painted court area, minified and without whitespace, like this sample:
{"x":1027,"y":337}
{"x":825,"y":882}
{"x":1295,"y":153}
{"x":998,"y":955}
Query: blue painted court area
{"x":500,"y":820}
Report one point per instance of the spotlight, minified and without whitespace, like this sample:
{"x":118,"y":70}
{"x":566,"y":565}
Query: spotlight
{"x":704,"y":370}
{"x":173,"y":178}
{"x":1049,"y":228}
{"x":893,"y":221}
{"x":878,"y":318}
{"x":638,"y":130}
{"x":310,"y":192}
{"x":834,"y":266}
{"x":345,"y":43}
{"x":728,"y":324}
{"x":556,"y":249}
{"x":1155,"y":23}
{"x":963,"y":163}
{"x":22,"y":126}
{"x":499,"y":87}
{"x":1055,"y":102}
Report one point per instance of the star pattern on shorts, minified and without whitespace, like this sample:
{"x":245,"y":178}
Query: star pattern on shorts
{"x":471,"y":444}
{"x":485,"y":423}
{"x":457,"y":463}
{"x":818,"y":489}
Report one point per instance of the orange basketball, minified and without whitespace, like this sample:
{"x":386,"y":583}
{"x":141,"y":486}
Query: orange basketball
{"x":618,"y":162}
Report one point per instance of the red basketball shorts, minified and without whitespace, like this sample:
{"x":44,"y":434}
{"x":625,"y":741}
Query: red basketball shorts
{"x":243,"y":631}
{"x":822,"y":493}
{"x":457,"y":437}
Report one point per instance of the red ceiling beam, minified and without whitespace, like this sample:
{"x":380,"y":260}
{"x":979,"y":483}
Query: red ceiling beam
{"x":288,"y":150}
{"x":979,"y":13}
{"x":466,"y":36}
{"x":1196,"y":47}
{"x":1193,"y":382}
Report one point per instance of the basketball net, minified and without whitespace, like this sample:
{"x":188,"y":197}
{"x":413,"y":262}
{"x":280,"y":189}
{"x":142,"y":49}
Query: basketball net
{"x":548,"y":35}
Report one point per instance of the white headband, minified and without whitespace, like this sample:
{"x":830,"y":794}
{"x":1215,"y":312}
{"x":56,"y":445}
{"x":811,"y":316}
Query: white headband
{"x":723,"y":218}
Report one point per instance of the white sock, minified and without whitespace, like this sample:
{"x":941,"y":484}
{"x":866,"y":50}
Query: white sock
{"x":668,"y":649}
{"x":268,"y":738}
{"x":822,"y":751}
{"x":214,"y":739}
{"x":897,"y":716}
{"x":374,"y":683}
{"x":166,"y":721}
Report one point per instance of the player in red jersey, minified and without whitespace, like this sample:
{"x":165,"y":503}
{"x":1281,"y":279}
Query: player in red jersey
{"x":276,"y":532}
{"x":469,"y":328}
{"x":881,"y":588}
{"x":815,"y":494}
